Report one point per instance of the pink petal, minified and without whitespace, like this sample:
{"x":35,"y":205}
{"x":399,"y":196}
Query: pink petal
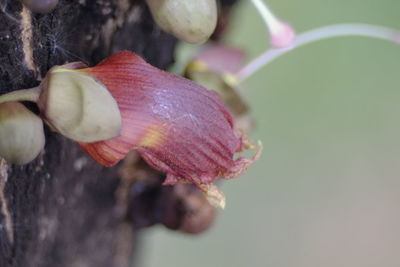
{"x":177,"y":126}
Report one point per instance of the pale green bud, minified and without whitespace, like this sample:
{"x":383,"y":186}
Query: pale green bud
{"x":21,"y":133}
{"x":190,"y":20}
{"x":78,"y":106}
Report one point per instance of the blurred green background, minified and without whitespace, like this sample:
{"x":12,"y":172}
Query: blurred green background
{"x":326,"y":191}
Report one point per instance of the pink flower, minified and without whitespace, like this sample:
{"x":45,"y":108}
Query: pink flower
{"x":176,"y":125}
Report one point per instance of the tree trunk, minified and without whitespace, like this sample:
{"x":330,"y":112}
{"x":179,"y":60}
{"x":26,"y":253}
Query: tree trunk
{"x":63,"y":209}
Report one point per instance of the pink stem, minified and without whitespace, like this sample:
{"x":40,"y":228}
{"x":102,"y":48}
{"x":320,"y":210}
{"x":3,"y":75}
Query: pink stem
{"x":326,"y":32}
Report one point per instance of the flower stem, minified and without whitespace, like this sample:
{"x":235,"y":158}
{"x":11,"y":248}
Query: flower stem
{"x":281,"y":33}
{"x":266,"y":14}
{"x":326,"y":32}
{"x":31,"y":95}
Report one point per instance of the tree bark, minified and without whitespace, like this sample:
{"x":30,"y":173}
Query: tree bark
{"x":63,"y":209}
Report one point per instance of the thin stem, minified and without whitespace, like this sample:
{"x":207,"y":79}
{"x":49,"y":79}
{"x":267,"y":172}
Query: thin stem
{"x":265,"y":13}
{"x":31,"y":95}
{"x":337,"y":30}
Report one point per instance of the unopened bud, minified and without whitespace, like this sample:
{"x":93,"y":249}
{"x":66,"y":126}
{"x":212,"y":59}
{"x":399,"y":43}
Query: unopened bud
{"x":40,"y":6}
{"x":21,"y":133}
{"x":282,"y":34}
{"x":78,"y":106}
{"x":191,"y":21}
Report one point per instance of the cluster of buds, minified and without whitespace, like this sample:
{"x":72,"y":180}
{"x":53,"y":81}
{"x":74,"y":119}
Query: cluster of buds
{"x":176,"y":125}
{"x":73,"y":104}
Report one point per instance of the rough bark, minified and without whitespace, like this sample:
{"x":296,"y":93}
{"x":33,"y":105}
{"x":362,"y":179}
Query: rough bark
{"x":63,"y":209}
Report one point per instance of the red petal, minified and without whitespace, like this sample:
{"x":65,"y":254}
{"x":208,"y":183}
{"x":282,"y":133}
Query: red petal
{"x":176,"y":125}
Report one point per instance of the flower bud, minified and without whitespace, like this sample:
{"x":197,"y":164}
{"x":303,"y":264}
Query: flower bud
{"x":40,"y":6}
{"x":186,"y":209}
{"x":78,"y":106}
{"x":21,"y":133}
{"x":191,"y":21}
{"x":282,"y":34}
{"x":177,"y":126}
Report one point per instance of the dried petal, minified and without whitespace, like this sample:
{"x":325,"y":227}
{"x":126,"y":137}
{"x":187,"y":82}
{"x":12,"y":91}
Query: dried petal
{"x":177,"y":126}
{"x":214,"y":196}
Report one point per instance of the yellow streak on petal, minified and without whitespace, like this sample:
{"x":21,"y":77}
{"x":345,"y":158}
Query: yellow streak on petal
{"x":60,"y":69}
{"x":197,"y":66}
{"x":154,"y":136}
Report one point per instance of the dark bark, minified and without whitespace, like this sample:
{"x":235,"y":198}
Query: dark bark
{"x":63,"y":209}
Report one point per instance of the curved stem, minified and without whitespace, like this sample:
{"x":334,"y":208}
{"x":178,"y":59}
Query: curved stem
{"x":31,"y":95}
{"x":269,"y":19}
{"x":326,"y":32}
